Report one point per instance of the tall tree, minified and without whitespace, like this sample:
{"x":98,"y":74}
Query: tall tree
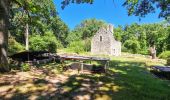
{"x":60,"y":29}
{"x":43,"y":9}
{"x":4,"y":24}
{"x":86,"y":29}
{"x":143,"y":7}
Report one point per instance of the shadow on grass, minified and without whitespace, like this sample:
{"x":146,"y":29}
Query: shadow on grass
{"x":123,"y":81}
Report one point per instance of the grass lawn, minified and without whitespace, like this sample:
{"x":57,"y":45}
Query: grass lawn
{"x":128,"y":78}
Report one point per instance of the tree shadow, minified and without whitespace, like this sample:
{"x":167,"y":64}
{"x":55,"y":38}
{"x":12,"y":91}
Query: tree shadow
{"x":124,"y":80}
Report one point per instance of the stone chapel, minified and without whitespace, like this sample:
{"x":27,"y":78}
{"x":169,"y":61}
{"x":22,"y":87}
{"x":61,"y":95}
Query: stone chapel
{"x":104,"y":42}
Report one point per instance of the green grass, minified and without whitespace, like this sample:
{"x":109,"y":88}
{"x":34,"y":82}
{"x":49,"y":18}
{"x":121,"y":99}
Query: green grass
{"x":137,"y":82}
{"x":127,"y":78}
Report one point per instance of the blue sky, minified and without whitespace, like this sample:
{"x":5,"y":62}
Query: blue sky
{"x":107,"y":10}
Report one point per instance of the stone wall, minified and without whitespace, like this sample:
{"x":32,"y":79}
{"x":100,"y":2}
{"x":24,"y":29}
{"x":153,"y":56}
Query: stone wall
{"x":116,"y":48}
{"x":103,"y":42}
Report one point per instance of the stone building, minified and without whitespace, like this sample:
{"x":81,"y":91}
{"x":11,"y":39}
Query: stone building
{"x":104,"y":42}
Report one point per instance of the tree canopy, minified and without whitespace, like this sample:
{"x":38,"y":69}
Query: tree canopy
{"x":147,"y":35}
{"x":135,"y":38}
{"x":136,"y":7}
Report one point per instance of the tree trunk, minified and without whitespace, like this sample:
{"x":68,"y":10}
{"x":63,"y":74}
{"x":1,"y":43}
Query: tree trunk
{"x":4,"y":22}
{"x":26,"y":37}
{"x":153,"y":52}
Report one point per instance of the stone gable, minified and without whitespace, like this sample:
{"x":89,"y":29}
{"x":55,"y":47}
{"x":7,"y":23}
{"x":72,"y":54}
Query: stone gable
{"x":104,"y":42}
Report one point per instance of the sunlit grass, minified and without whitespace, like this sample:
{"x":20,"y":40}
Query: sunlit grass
{"x":127,"y":78}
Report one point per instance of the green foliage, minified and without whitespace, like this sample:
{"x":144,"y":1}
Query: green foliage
{"x":76,"y":46}
{"x":165,"y":55}
{"x":117,"y":33}
{"x":86,"y":29}
{"x":25,"y":67}
{"x":35,"y":13}
{"x":144,"y":52}
{"x":14,"y":46}
{"x":74,"y":36}
{"x":132,"y":46}
{"x":143,"y":7}
{"x":45,"y":42}
{"x":87,"y":45}
{"x":89,"y":27}
{"x":51,"y":42}
{"x":80,"y":46}
{"x":147,"y":35}
{"x":168,"y":39}
{"x":79,"y":40}
{"x":135,"y":38}
{"x":41,"y":16}
{"x":60,"y":30}
{"x":37,"y":43}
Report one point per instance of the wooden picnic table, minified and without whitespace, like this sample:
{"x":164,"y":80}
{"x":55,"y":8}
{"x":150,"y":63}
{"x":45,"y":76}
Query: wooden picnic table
{"x":162,"y":68}
{"x":81,"y":60}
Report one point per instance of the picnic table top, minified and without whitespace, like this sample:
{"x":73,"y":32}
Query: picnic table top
{"x":66,"y":57}
{"x":162,"y":68}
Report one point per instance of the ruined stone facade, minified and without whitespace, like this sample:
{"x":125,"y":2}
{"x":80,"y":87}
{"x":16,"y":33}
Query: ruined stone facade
{"x":104,"y":42}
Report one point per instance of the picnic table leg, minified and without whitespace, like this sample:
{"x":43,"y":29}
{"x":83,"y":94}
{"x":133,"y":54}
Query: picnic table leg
{"x":105,"y":66}
{"x":62,"y":64}
{"x":81,"y":66}
{"x":108,"y":65}
{"x":78,"y":69}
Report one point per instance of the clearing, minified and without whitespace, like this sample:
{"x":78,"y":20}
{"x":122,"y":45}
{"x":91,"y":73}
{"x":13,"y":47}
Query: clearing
{"x":128,"y":78}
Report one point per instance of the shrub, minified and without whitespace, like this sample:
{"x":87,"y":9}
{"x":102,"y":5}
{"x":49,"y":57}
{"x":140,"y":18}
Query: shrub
{"x":25,"y":67}
{"x":87,"y":45}
{"x":124,"y":49}
{"x":76,"y":46}
{"x":46,"y":42}
{"x":144,"y":52}
{"x":165,"y":55}
{"x":14,"y":46}
{"x":132,"y":46}
{"x":73,"y":36}
{"x":52,"y":42}
{"x":37,"y":43}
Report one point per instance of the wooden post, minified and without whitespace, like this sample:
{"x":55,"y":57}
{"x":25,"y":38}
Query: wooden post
{"x":108,"y":64}
{"x":62,"y":64}
{"x":81,"y":62}
{"x":105,"y":66}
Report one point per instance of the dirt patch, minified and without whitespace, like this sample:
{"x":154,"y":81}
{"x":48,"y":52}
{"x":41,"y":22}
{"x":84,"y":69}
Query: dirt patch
{"x":37,"y":84}
{"x":25,"y":85}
